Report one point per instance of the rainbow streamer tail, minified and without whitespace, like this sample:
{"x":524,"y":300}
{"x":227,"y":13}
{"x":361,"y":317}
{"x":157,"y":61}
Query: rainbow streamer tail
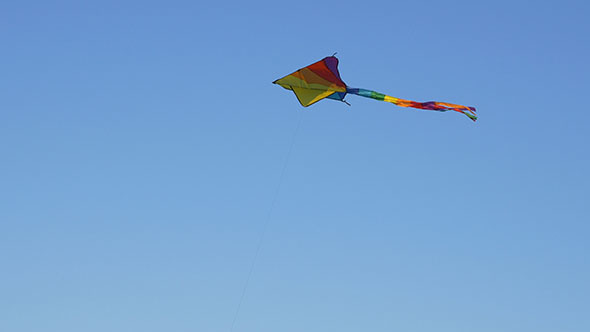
{"x":429,"y":105}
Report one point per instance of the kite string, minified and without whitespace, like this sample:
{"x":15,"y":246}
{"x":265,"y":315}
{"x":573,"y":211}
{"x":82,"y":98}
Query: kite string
{"x":266,"y":222}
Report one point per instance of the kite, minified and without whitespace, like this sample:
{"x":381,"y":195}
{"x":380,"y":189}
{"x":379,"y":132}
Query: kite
{"x":321,"y":80}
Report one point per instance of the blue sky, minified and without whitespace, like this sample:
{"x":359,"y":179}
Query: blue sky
{"x":142,"y":142}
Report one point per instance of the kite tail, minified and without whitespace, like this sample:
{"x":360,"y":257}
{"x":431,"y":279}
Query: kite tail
{"x":429,"y":105}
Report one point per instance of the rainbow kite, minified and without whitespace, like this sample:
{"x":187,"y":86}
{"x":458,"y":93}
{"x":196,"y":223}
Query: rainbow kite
{"x":321,"y":80}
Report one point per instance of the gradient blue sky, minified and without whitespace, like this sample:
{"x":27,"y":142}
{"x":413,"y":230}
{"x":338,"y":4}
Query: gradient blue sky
{"x":141,"y":144}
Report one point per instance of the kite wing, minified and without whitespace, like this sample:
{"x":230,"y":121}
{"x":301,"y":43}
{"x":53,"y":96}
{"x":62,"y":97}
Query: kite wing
{"x":321,"y":80}
{"x":315,"y":82}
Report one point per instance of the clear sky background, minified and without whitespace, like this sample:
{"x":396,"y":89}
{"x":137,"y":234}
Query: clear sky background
{"x":141,"y":144}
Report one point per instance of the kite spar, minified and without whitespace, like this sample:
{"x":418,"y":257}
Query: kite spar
{"x":322,"y":80}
